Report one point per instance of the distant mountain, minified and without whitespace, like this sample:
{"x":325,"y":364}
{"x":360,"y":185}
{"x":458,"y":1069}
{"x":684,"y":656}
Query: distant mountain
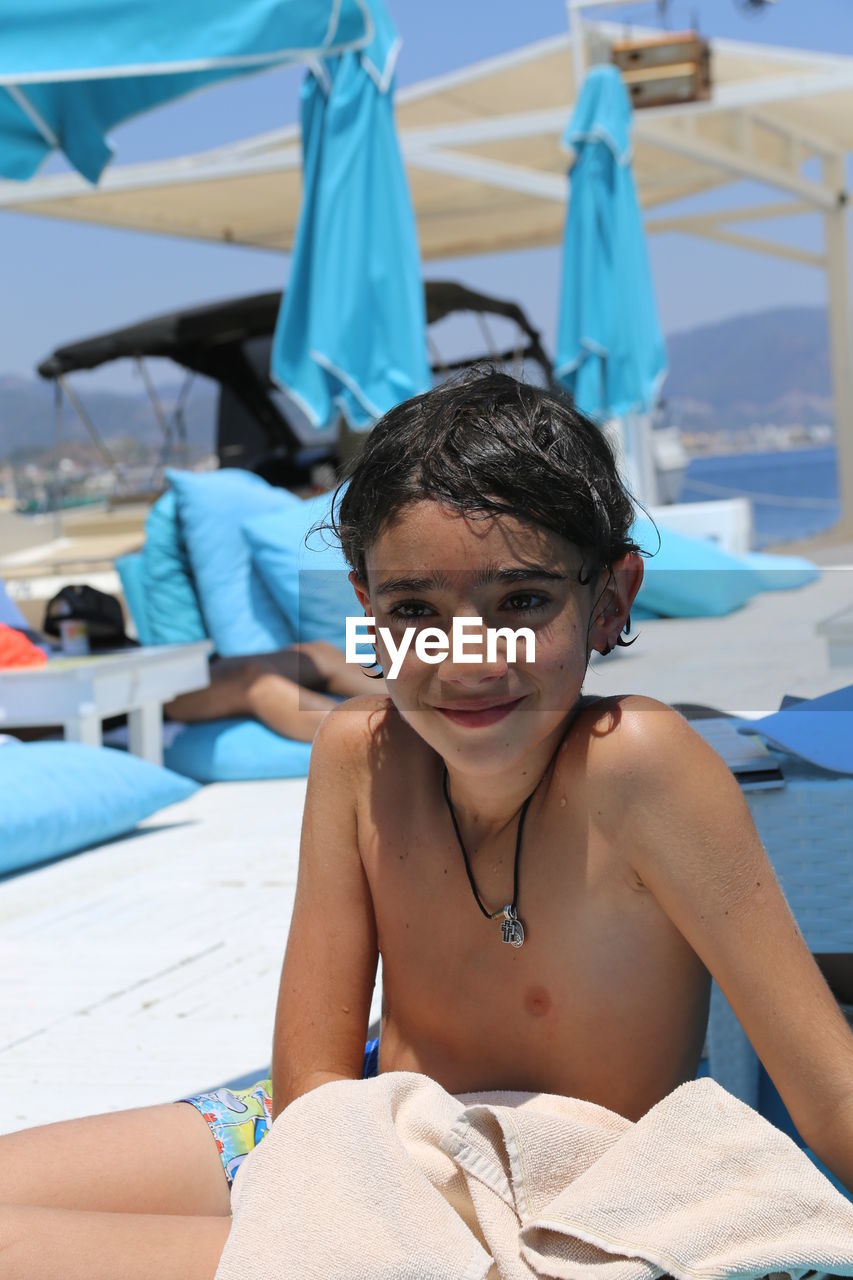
{"x":27,"y":415}
{"x":772,"y":366}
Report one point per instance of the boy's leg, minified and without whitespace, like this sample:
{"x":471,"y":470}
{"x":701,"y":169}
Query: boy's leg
{"x":64,"y":1244}
{"x":152,"y":1160}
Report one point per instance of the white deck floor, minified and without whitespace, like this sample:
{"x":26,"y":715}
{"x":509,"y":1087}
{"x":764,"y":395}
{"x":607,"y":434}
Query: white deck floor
{"x":148,"y":967}
{"x":743,"y":663}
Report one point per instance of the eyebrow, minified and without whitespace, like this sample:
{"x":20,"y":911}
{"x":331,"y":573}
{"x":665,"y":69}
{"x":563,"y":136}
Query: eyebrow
{"x":483,"y":578}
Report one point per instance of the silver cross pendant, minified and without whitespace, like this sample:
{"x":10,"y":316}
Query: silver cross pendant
{"x":512,"y":930}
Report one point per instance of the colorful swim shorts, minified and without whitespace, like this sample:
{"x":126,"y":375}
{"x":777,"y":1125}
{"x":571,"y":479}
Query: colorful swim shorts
{"x":238,"y":1119}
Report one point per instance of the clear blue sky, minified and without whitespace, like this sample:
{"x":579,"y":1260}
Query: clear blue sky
{"x":62,"y":281}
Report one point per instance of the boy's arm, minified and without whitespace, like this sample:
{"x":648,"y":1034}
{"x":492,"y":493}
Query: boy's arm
{"x":698,"y":852}
{"x":330,"y":962}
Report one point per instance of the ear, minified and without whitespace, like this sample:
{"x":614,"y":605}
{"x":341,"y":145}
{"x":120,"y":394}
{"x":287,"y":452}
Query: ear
{"x":360,"y":589}
{"x":616,"y":591}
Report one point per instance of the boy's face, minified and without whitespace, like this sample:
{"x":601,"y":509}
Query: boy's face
{"x":431,"y":565}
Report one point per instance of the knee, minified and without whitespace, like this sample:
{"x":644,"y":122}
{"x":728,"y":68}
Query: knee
{"x":255,"y":675}
{"x":313,"y":649}
{"x":321,"y":652}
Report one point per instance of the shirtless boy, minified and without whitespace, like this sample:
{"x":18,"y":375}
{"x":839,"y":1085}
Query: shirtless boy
{"x":636,"y":873}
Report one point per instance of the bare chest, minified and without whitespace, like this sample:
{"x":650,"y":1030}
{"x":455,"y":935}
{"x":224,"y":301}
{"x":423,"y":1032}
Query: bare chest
{"x":599,"y":968}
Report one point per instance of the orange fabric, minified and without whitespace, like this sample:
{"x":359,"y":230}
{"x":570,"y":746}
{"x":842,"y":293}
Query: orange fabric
{"x":17,"y":651}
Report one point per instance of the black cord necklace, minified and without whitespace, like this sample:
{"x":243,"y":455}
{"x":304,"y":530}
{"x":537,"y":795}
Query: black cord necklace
{"x":512,"y":930}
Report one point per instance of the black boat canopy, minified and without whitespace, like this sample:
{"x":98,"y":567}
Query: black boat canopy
{"x":194,"y":337}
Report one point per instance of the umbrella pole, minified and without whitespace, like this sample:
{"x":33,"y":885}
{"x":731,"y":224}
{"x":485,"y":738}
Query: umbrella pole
{"x":574,"y":9}
{"x":575,"y":22}
{"x":840,"y":336}
{"x":57,"y":449}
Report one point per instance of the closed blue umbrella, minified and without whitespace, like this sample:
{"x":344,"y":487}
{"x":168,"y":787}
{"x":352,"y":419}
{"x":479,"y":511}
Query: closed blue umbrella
{"x":70,"y":72}
{"x":610,"y":349}
{"x":352,"y":329}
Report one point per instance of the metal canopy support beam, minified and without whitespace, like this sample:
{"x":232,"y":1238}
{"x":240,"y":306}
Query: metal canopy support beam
{"x":750,"y":213}
{"x":711,"y":228}
{"x":739,"y":165}
{"x":808,"y":143}
{"x":91,"y":428}
{"x":840,"y":339}
{"x":752,"y":244}
{"x":495,"y":173}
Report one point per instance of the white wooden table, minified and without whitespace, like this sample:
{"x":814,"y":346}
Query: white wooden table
{"x":79,"y":693}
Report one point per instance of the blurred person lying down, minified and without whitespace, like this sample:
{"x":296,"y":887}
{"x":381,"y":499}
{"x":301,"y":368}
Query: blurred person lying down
{"x":290,"y":690}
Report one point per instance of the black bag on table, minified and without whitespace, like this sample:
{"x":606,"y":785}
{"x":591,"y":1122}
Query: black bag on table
{"x":102,"y":614}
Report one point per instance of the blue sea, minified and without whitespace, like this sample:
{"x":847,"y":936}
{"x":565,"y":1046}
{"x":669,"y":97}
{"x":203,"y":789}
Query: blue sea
{"x":794,"y":493}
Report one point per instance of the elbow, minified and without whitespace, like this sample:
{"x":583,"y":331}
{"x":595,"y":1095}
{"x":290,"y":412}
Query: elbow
{"x":831,"y":1139}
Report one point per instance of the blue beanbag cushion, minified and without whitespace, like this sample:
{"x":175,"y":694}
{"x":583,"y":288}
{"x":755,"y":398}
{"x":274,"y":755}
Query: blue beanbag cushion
{"x":235,"y":751}
{"x":780,"y":573}
{"x":241,"y":615}
{"x":62,"y":796}
{"x":690,"y":577}
{"x":131,"y":572}
{"x":308,"y":578}
{"x":172,"y":607}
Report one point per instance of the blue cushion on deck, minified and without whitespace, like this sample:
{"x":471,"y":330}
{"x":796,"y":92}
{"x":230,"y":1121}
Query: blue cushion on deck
{"x":171,"y":603}
{"x":241,"y":615}
{"x":780,"y":573}
{"x":59,"y":797}
{"x":235,"y":751}
{"x":306,"y":574}
{"x":690,"y":577}
{"x":131,"y":572}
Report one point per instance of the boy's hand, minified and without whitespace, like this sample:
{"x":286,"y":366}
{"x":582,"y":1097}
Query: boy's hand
{"x":330,"y":963}
{"x":698,"y":852}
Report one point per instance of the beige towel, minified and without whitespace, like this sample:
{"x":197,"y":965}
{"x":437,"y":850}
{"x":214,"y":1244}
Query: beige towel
{"x":394,"y":1177}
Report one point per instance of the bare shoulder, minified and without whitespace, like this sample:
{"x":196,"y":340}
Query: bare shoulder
{"x":648,"y":771}
{"x":354,"y":734}
{"x":637,"y":737}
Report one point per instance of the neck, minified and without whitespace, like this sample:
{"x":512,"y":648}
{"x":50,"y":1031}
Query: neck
{"x":486,"y":804}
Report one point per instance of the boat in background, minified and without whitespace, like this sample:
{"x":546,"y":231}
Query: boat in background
{"x":257,"y":427}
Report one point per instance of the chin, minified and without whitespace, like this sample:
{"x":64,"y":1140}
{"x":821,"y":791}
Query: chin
{"x":488,"y":750}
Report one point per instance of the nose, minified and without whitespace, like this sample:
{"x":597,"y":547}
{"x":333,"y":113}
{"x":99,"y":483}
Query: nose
{"x":469,"y":661}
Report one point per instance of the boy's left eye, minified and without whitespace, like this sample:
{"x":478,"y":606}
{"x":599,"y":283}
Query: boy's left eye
{"x":526,"y":601}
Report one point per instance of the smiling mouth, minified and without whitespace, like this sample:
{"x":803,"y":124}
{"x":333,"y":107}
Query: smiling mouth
{"x":474,"y":716}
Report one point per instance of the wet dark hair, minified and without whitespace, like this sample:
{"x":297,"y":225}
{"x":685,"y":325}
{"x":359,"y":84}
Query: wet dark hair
{"x":486,"y":444}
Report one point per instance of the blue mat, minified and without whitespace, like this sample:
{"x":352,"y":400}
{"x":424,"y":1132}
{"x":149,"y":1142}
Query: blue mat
{"x":819,"y":730}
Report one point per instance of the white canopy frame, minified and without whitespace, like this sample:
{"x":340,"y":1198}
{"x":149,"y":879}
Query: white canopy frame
{"x":487,"y":173}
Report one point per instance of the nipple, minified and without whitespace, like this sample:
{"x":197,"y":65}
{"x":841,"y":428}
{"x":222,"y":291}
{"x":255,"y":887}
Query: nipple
{"x":537,"y":1001}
